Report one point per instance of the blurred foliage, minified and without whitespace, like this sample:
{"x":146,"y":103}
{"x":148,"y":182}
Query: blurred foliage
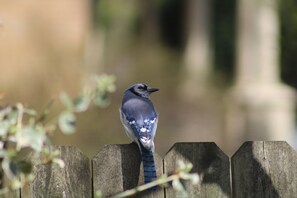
{"x":288,"y":48}
{"x":106,"y":13}
{"x":24,"y":134}
{"x":172,"y":26}
{"x":223,"y":30}
{"x":97,"y":92}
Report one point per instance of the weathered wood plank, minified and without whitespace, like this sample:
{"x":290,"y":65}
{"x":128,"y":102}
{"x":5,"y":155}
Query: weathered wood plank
{"x":208,"y":161}
{"x":117,"y":168}
{"x":264,"y":169}
{"x":72,"y":181}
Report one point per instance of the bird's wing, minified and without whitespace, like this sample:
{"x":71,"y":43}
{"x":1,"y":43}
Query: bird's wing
{"x":131,"y":131}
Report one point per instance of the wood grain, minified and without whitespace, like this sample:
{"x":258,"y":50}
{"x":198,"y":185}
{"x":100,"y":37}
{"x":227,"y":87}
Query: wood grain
{"x":264,"y":169}
{"x":117,"y":168}
{"x":51,"y":181}
{"x":208,"y":161}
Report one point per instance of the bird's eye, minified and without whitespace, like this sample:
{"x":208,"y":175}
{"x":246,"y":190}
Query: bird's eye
{"x":142,"y":87}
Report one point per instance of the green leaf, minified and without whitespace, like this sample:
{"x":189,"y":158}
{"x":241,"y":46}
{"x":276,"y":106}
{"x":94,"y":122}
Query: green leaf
{"x":194,"y":178}
{"x":177,"y":185}
{"x":105,"y":83}
{"x":67,"y":121}
{"x":1,"y":148}
{"x":59,"y":162}
{"x":12,"y":115}
{"x":81,"y":103}
{"x":66,"y":101}
{"x":162,"y":180}
{"x":30,"y":112}
{"x":188,"y":167}
{"x":21,"y":166}
{"x":55,"y":153}
{"x":184,"y":167}
{"x":16,"y":183}
{"x":101,"y":99}
{"x":6,"y":168}
{"x":98,"y":194}
{"x":31,"y":136}
{"x":46,"y":151}
{"x":4,"y":127}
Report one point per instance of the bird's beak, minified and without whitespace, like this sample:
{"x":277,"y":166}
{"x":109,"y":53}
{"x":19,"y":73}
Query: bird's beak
{"x":151,"y":90}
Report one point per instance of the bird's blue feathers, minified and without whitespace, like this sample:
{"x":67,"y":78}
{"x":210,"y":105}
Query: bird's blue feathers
{"x":149,"y":169}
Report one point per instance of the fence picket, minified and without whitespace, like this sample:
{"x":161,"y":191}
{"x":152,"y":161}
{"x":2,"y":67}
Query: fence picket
{"x":264,"y":169}
{"x":72,"y":181}
{"x":209,"y":162}
{"x":117,"y":168}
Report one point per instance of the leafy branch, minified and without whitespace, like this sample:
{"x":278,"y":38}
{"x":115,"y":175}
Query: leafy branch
{"x":96,"y":92}
{"x":24,"y":134}
{"x":181,"y":173}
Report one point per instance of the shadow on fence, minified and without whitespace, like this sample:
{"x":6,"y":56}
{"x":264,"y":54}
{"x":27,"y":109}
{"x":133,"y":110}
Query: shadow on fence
{"x":257,"y":169}
{"x":268,"y":169}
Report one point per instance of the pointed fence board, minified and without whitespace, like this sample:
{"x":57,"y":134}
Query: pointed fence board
{"x":74,"y":180}
{"x":117,"y":168}
{"x":264,"y":169}
{"x":209,"y":162}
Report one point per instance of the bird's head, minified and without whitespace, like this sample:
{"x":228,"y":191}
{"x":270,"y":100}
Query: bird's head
{"x":142,"y":90}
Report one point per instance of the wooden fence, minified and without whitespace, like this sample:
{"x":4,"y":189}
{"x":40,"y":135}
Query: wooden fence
{"x":257,"y":169}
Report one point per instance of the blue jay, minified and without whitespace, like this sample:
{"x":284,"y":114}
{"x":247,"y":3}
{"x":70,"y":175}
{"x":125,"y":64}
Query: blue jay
{"x":140,"y":120}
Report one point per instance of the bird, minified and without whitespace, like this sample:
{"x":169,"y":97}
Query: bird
{"x":140,"y":121}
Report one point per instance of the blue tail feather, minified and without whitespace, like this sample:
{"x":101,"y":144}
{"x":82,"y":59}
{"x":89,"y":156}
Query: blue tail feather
{"x":148,"y":166}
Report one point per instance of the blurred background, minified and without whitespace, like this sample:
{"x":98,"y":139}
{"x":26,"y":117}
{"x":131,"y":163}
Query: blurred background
{"x":226,"y":69}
